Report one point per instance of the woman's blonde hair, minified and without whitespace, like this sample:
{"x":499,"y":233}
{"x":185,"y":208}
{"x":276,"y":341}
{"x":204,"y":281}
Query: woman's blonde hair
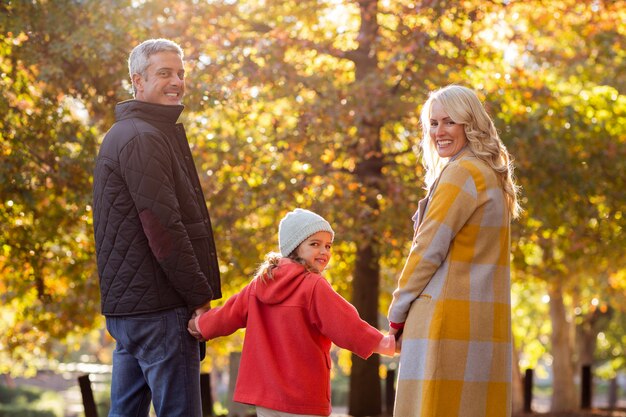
{"x":464,"y":107}
{"x":265,"y":271}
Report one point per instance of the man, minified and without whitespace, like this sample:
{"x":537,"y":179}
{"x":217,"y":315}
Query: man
{"x":154,"y":243}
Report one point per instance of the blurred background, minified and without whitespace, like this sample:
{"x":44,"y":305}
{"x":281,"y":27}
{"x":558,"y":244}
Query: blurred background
{"x":315,"y":103}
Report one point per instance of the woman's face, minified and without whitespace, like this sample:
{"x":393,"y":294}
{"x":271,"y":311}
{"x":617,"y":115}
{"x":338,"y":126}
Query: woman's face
{"x":449,"y":137}
{"x":315,"y":250}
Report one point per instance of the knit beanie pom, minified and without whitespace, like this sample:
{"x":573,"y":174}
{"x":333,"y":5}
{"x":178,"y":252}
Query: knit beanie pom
{"x":297,"y":226}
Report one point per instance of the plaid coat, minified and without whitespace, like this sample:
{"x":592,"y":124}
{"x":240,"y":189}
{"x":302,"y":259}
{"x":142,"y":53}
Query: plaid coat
{"x":454,"y":297}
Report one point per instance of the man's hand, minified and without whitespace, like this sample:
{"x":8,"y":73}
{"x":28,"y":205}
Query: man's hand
{"x":203,"y":308}
{"x":191,"y":328}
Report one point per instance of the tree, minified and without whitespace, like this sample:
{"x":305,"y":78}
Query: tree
{"x":574,"y":211}
{"x":314,"y":103}
{"x":46,"y":245}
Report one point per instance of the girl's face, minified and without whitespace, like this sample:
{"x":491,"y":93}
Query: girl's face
{"x":449,"y":137}
{"x":315,"y":250}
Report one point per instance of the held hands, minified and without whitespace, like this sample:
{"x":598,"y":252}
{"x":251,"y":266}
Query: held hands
{"x":399,"y":344}
{"x":191,"y":326}
{"x":397,"y":334}
{"x":386,"y":346}
{"x":193,"y":330}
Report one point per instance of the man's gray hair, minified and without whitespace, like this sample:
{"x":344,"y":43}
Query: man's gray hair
{"x":140,"y":55}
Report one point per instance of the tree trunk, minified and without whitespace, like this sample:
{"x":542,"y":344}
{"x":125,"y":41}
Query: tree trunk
{"x":564,"y":390}
{"x":587,"y":332}
{"x":365,"y":397}
{"x":586,"y":336}
{"x":365,"y":392}
{"x":365,"y":385}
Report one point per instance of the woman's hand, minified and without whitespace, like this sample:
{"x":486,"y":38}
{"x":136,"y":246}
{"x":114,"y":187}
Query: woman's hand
{"x":397,"y":334}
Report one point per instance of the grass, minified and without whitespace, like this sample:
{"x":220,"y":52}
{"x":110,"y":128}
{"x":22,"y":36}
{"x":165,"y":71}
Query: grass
{"x":25,"y":401}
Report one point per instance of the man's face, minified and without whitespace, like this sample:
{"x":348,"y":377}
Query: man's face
{"x":163,"y":81}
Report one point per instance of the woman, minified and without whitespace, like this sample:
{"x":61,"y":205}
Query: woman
{"x":452,"y":303}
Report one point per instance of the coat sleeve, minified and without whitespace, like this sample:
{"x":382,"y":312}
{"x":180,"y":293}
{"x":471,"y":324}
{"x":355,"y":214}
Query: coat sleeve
{"x":453,"y":202}
{"x":225,"y":320}
{"x":339,"y":320}
{"x":146,"y":165}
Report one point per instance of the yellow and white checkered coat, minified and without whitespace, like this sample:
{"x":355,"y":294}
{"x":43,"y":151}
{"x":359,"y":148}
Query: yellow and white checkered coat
{"x":454,"y":297}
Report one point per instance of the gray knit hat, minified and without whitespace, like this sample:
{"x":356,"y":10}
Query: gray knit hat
{"x":297,"y":226}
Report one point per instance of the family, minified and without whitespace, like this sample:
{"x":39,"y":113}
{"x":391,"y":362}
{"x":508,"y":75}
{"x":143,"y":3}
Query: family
{"x":449,"y":318}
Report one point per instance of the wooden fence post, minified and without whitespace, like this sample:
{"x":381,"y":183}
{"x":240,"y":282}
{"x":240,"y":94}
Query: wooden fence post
{"x":206,"y":395}
{"x":235,"y":409}
{"x":390,"y":391}
{"x":613,"y":393}
{"x":88,"y":401}
{"x":586,"y":382}
{"x":528,"y":390}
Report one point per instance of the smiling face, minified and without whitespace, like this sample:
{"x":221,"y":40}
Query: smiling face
{"x":163,"y":81}
{"x":449,"y":137}
{"x":315,"y":250}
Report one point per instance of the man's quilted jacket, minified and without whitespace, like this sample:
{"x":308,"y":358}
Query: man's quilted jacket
{"x":154,"y":242}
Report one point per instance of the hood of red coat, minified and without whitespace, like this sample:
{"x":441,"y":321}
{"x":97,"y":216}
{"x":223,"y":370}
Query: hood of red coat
{"x":288,"y":276}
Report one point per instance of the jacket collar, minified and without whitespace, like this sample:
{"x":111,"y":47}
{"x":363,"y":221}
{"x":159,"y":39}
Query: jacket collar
{"x":147,"y":111}
{"x":460,"y":154}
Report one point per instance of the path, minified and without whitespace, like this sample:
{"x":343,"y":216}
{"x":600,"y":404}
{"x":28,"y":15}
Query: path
{"x":66,"y":383}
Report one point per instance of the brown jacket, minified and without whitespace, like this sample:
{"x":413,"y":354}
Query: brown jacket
{"x":154,"y":241}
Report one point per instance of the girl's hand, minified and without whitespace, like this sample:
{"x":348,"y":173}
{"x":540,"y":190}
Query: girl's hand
{"x":191,"y":328}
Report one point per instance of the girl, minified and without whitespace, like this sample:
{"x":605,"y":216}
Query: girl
{"x":291,"y":315}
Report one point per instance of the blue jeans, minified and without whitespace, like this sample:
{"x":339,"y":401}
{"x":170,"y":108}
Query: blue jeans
{"x":155,"y":358}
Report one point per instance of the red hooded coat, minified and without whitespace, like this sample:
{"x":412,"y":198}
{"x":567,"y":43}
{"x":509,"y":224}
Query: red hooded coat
{"x":290,"y":323}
